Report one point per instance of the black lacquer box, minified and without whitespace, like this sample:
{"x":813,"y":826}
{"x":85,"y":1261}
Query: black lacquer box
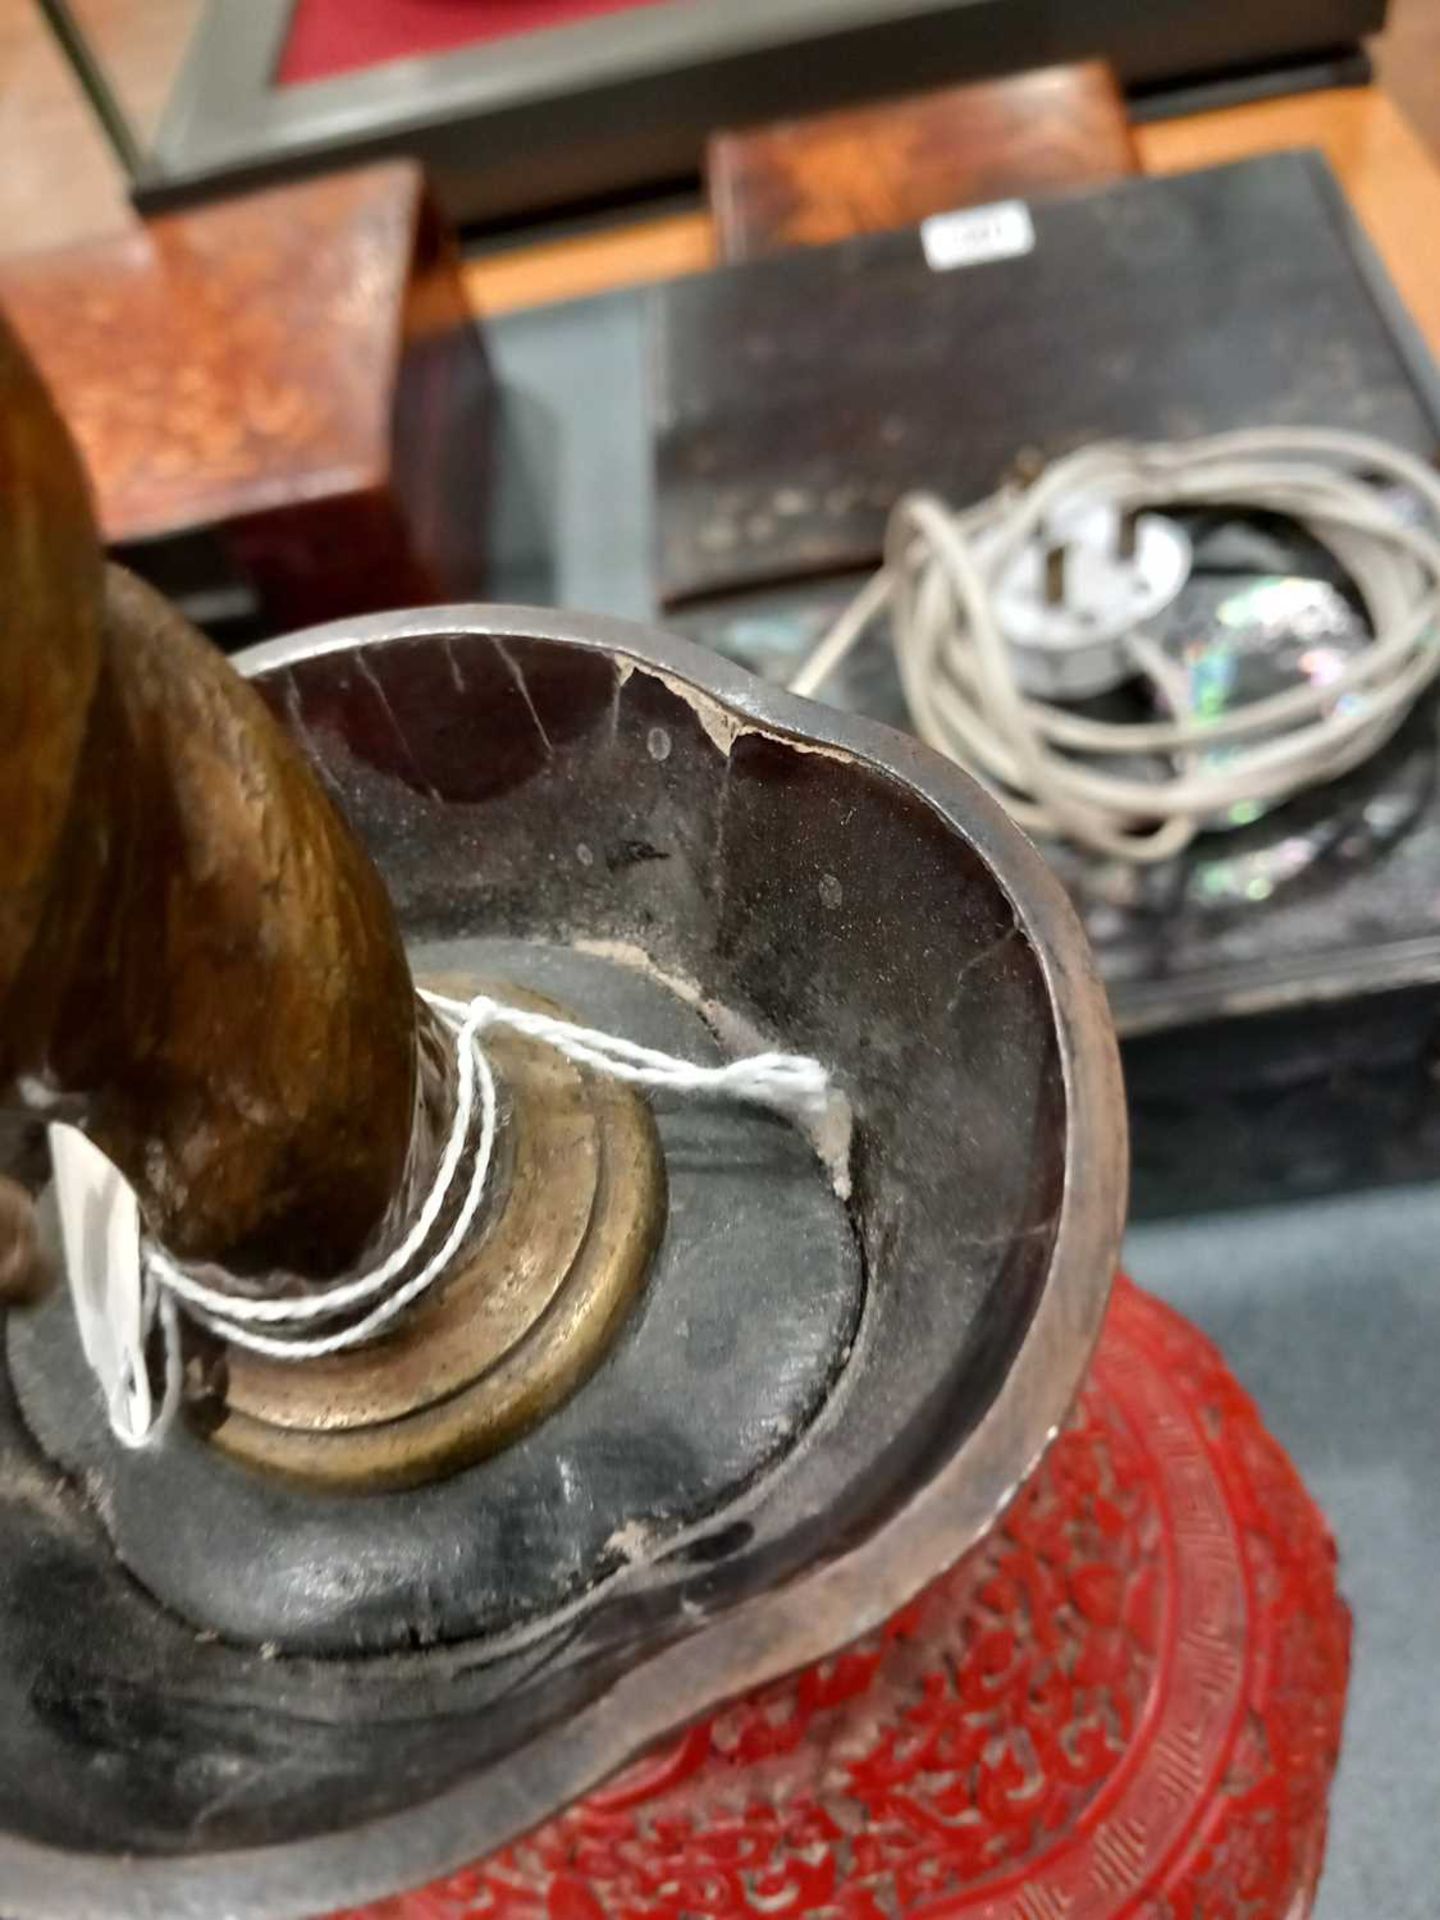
{"x":1276,"y":987}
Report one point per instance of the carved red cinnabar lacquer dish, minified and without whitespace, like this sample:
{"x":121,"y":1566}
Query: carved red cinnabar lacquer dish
{"x":1126,"y":1701}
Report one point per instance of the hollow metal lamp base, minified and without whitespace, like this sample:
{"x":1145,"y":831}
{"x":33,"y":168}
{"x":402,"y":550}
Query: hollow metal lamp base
{"x":784,"y":876}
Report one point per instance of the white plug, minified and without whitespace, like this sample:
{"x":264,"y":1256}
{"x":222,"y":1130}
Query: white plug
{"x":1075,"y":592}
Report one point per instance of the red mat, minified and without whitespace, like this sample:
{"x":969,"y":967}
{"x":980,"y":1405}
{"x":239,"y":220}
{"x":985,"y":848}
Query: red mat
{"x":328,"y":37}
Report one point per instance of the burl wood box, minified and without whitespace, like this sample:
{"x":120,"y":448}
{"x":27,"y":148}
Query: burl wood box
{"x":811,"y":182}
{"x":283,"y":399}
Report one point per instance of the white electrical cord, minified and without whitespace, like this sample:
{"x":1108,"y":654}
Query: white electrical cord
{"x":958,"y":668}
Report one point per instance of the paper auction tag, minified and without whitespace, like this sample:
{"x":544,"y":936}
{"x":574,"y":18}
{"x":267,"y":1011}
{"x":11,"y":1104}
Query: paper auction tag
{"x":1002,"y":231}
{"x":100,"y":1231}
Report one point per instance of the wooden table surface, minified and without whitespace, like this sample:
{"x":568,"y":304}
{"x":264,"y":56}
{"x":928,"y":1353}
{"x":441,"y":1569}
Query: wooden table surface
{"x":1391,"y":179}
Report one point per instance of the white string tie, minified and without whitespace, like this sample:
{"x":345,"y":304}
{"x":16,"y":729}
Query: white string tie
{"x":792,"y":1085}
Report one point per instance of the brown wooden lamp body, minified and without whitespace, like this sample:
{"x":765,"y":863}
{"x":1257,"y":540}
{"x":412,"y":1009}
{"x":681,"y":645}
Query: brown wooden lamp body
{"x":201,"y":968}
{"x":197,"y":964}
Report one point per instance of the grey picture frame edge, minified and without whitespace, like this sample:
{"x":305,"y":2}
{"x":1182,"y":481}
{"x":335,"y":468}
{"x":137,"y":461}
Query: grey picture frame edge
{"x":630,"y":97}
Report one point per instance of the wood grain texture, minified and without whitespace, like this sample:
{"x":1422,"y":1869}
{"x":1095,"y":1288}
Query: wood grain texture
{"x":629,"y":253}
{"x":804,"y":183}
{"x":1407,"y":62}
{"x":265,"y":370}
{"x":61,"y":182}
{"x":197,"y":963}
{"x":50,"y":567}
{"x":218,"y":357}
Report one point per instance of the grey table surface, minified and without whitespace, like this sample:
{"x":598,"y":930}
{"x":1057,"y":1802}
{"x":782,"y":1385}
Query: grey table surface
{"x":1328,"y":1312}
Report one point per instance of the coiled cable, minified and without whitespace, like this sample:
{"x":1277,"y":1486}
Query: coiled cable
{"x":1357,"y":496}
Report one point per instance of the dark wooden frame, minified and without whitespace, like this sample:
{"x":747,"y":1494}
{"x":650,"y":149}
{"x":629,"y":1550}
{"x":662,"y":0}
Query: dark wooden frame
{"x":625,"y":100}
